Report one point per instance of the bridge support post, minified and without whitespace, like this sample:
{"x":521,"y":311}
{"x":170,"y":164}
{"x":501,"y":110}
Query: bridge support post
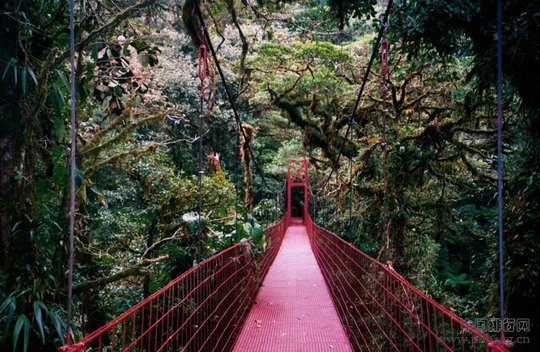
{"x":289,"y":215}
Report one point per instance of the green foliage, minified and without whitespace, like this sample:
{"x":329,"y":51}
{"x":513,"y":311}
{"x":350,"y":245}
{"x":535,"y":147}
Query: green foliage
{"x":317,"y":17}
{"x":45,"y":323}
{"x":281,"y":65}
{"x":256,"y":232}
{"x":448,"y":29}
{"x":345,"y":10}
{"x":138,"y":104}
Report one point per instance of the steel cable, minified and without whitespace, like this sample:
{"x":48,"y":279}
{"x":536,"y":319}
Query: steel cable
{"x":73,"y":169}
{"x":500,"y":166}
{"x":230,"y":98}
{"x":360,"y":92}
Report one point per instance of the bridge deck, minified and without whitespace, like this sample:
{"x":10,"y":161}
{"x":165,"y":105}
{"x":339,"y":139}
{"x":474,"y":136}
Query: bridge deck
{"x":294,"y":311}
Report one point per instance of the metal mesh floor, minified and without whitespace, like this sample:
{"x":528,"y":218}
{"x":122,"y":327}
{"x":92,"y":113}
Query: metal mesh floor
{"x":293,"y":311}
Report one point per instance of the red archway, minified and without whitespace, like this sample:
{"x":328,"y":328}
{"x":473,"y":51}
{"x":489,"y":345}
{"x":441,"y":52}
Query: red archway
{"x":298,"y":176}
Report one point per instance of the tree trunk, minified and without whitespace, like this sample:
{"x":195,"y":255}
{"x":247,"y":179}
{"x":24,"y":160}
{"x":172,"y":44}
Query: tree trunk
{"x":12,"y":133}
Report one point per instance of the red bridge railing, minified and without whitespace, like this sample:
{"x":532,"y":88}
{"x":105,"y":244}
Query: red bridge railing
{"x":381,"y":310}
{"x":202,"y":310}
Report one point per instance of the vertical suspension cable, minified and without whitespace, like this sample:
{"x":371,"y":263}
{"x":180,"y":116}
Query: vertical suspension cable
{"x":237,"y":185}
{"x":199,"y":175}
{"x":351,"y":128}
{"x":384,"y":144}
{"x":229,"y":95}
{"x":203,"y":69}
{"x":358,"y":97}
{"x":315,"y":209}
{"x":236,"y":198}
{"x":350,"y":187}
{"x":500,"y":166}
{"x":277,"y":207}
{"x":69,"y":309}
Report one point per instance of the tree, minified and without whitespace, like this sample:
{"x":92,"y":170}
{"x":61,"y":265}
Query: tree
{"x":465,"y":27}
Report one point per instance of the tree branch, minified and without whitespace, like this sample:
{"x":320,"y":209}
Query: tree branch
{"x":121,"y":134}
{"x":474,"y":171}
{"x":113,"y":23}
{"x":90,"y":170}
{"x":136,"y":270}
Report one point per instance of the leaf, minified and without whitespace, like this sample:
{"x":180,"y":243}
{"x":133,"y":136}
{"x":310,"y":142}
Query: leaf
{"x":105,"y":103}
{"x":57,"y":225}
{"x":248,"y":229}
{"x":63,"y":39}
{"x":10,"y":301}
{"x":139,"y":45}
{"x":59,"y":174}
{"x":125,"y":50}
{"x":63,"y":78}
{"x":11,"y":62}
{"x":79,"y":176}
{"x":16,"y":226}
{"x":59,"y":128}
{"x":39,"y":319}
{"x":82,"y":193}
{"x":57,"y":99}
{"x":22,"y":322}
{"x":15,"y":74}
{"x":57,"y":321}
{"x":240,"y":232}
{"x":26,"y":334}
{"x":23,"y":81}
{"x":94,"y":53}
{"x":99,"y":195}
{"x":57,"y":154}
{"x":32,"y":74}
{"x":144,"y":59}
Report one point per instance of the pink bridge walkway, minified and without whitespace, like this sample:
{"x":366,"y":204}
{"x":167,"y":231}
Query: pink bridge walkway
{"x":293,"y":311}
{"x":204,"y":308}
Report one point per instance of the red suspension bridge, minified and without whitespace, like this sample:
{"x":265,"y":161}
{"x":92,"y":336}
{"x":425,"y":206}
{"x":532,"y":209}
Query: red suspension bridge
{"x":309,"y":291}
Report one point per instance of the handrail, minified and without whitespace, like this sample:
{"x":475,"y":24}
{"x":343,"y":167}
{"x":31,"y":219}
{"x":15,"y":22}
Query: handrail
{"x":202,"y":309}
{"x":381,"y":310}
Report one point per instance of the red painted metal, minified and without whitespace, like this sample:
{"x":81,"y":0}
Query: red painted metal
{"x":205,"y":70}
{"x":202,"y":67}
{"x":381,"y":310}
{"x":294,"y":310}
{"x":298,"y":176}
{"x":202,"y":310}
{"x":384,"y":61}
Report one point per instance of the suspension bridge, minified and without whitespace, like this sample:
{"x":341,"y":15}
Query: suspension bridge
{"x":309,"y":291}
